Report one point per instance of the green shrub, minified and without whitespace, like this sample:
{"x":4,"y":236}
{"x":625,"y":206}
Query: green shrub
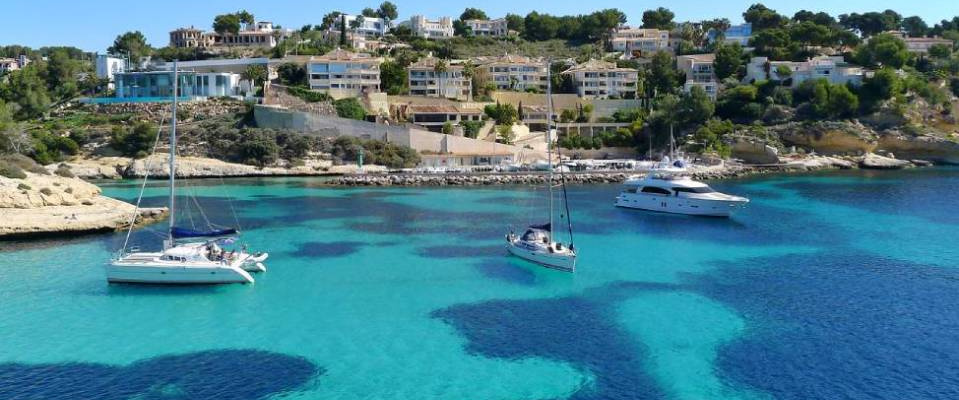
{"x":11,"y":170}
{"x":350,"y":108}
{"x":308,"y":95}
{"x":24,"y":186}
{"x":19,"y":162}
{"x":347,"y":148}
{"x":471,"y":128}
{"x":64,"y":171}
{"x":136,"y":142}
{"x":46,"y":191}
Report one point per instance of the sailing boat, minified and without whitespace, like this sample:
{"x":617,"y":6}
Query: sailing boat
{"x":537,"y":244}
{"x":196,"y":262}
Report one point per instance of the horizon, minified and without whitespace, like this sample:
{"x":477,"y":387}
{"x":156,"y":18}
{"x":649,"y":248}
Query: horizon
{"x":60,"y":29}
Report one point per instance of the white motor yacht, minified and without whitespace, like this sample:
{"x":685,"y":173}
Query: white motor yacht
{"x":668,"y":190}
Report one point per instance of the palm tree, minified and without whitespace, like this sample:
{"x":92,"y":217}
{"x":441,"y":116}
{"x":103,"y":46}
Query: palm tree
{"x":468,"y":71}
{"x":253,"y":74}
{"x":440,"y":69}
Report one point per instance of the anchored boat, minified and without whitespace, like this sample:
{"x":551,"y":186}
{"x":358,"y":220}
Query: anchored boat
{"x":189,"y":256}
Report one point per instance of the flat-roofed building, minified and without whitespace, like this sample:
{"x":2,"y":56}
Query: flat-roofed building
{"x":921,"y":45}
{"x":488,"y":27}
{"x":192,"y":85}
{"x":698,"y":69}
{"x":513,"y":72}
{"x":598,"y":79}
{"x":421,"y":26}
{"x":640,"y":42}
{"x":434,"y":117}
{"x":734,"y":34}
{"x":434,"y":77}
{"x":108,"y":66}
{"x":369,"y":27}
{"x":260,"y":34}
{"x":831,"y":68}
{"x":342,"y":73}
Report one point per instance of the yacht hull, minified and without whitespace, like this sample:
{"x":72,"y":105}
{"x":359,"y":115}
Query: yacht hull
{"x":680,"y":205}
{"x":158,"y":274}
{"x":560,"y":262}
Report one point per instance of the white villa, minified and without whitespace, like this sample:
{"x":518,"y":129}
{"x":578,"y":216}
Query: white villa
{"x":370,"y":27}
{"x":108,"y":66}
{"x":512,"y":72}
{"x":598,"y":79}
{"x":699,"y":72}
{"x":431,"y":29}
{"x":341,"y":73}
{"x":260,"y":34}
{"x":638,"y":42}
{"x":832,"y":68}
{"x":488,"y":27}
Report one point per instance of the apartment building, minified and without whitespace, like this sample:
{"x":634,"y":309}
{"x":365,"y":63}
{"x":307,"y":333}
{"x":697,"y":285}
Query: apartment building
{"x":921,"y":45}
{"x":260,"y":34}
{"x":433,"y":77}
{"x":734,"y":34}
{"x":639,"y":42}
{"x":699,"y":72}
{"x":832,"y":68}
{"x":512,"y":72}
{"x":342,"y":73}
{"x":596,"y":79}
{"x":488,"y":27}
{"x":431,"y":29}
{"x":369,"y":27}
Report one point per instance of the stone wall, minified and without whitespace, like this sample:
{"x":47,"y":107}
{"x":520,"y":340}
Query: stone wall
{"x":189,"y":110}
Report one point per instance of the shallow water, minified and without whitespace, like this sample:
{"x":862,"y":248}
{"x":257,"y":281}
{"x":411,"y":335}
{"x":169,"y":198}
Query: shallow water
{"x":841,"y":285}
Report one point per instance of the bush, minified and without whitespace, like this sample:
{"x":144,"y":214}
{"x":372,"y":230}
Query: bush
{"x":350,"y":108}
{"x":136,"y":142}
{"x":503,"y":114}
{"x":14,"y":165}
{"x":308,"y":95}
{"x":471,"y":128}
{"x":257,"y":147}
{"x":46,"y":191}
{"x":348,"y":148}
{"x":954,"y":85}
{"x":11,"y":170}
{"x":64,"y":171}
{"x":24,"y":186}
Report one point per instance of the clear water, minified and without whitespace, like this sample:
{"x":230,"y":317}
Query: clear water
{"x":827,"y":286}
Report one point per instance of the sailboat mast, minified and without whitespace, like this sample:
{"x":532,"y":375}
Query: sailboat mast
{"x":176,"y":87}
{"x":549,"y":137}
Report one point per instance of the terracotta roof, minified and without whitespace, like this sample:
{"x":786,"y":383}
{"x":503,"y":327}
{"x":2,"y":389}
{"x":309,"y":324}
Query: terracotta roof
{"x":343,"y":55}
{"x":437,"y":109}
{"x":597,"y":65}
{"x":430,"y":62}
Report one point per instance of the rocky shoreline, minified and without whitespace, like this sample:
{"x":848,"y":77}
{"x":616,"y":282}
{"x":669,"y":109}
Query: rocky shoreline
{"x":50,"y":205}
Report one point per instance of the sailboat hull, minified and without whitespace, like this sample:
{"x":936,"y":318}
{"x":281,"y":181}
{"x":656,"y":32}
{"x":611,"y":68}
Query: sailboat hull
{"x":557,"y":261}
{"x":160,"y":274}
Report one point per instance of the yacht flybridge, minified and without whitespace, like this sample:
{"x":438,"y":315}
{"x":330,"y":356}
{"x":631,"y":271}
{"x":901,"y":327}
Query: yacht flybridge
{"x":189,"y":255}
{"x":668,"y":189}
{"x":537,"y":243}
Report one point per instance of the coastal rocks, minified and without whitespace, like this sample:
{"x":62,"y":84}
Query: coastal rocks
{"x":829,"y":137}
{"x":474,"y":180}
{"x":753,"y":152}
{"x":925,"y":147}
{"x":48,"y":204}
{"x":191,"y":167}
{"x":875,"y":161}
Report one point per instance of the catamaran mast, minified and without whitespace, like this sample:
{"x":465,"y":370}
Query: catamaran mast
{"x":176,"y":83}
{"x":549,"y":139}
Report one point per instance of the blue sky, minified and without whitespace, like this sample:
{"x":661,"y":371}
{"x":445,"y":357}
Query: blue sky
{"x":92,"y":25}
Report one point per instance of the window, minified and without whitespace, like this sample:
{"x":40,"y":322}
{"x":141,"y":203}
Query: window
{"x":705,"y":189}
{"x":656,"y":190}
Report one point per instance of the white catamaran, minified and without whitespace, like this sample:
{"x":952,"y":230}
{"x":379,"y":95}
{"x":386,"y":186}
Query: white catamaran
{"x":189,"y":256}
{"x":537,"y":244}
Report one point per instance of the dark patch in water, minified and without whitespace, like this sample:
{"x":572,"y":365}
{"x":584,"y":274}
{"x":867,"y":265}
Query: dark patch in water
{"x":841,"y":324}
{"x":218,"y":374}
{"x":455,"y":251}
{"x":327,"y":249}
{"x":505,"y":270}
{"x":577,"y":330}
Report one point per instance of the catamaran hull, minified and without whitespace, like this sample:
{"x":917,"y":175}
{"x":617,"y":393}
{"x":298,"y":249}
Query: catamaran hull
{"x":555,"y":261}
{"x":168,"y":275}
{"x":681,"y":205}
{"x":255,"y":263}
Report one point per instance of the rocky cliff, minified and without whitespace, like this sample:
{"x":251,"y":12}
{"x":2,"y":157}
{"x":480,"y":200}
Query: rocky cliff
{"x":49,"y":204}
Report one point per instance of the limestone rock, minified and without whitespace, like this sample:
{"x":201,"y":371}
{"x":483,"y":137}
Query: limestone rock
{"x":875,"y":161}
{"x":753,"y":151}
{"x":925,"y":147}
{"x":829,"y":137}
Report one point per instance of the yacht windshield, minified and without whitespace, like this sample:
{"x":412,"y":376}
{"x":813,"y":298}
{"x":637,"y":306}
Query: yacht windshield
{"x":704,"y":189}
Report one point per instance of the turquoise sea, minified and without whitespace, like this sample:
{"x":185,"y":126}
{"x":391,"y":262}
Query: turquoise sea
{"x":828,"y":286}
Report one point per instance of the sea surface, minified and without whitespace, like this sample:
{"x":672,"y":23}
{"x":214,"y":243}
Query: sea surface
{"x":828,"y":286}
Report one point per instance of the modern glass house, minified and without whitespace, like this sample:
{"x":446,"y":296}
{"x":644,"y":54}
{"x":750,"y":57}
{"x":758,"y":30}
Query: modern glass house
{"x":159,"y":85}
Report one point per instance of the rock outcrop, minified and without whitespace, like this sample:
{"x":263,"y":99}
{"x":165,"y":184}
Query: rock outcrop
{"x":753,"y":151}
{"x":922,"y":147}
{"x":55,"y":205}
{"x":875,"y":161}
{"x":829,"y":137}
{"x":194,"y":167}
